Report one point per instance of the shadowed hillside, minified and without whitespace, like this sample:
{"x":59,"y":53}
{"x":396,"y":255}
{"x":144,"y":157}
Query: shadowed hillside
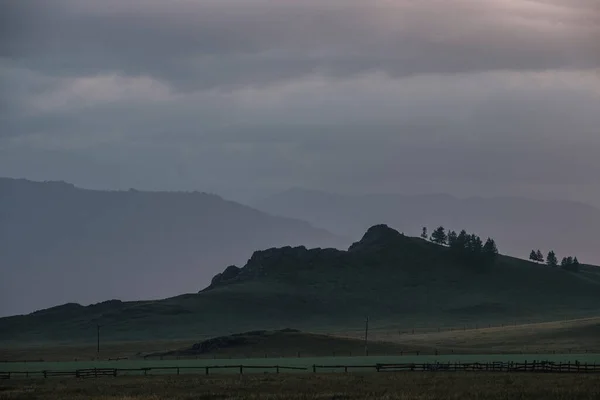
{"x":61,"y":244}
{"x":395,"y":280}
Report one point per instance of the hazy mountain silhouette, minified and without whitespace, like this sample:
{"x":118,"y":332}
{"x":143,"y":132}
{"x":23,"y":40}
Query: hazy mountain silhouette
{"x":397,"y":280}
{"x":517,"y":224}
{"x":60,"y":244}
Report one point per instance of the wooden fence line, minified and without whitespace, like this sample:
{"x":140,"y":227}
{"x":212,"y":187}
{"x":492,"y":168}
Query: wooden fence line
{"x":432,"y":352}
{"x":535,"y":366}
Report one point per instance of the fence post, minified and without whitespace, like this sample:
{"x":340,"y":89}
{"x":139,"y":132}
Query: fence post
{"x":241,"y":370}
{"x":314,"y":368}
{"x":277,"y":367}
{"x":177,"y":370}
{"x":45,"y":374}
{"x":206,"y":370}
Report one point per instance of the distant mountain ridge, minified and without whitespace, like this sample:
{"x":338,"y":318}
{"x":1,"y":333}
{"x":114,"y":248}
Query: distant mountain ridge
{"x":61,"y":244}
{"x":396,"y":280}
{"x":518,"y":224}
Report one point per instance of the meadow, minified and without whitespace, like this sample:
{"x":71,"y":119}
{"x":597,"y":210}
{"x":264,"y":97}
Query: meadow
{"x":197,"y":365}
{"x":422,"y":386}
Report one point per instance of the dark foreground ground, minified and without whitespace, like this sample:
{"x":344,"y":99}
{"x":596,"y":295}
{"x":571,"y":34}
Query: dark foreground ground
{"x":422,"y":386}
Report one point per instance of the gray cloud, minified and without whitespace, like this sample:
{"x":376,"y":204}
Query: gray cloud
{"x":200,"y":44}
{"x":242,"y":97}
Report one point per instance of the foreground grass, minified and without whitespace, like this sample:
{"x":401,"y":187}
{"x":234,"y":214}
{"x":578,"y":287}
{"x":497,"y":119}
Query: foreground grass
{"x":423,"y":386}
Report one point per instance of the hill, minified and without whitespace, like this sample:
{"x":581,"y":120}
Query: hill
{"x":281,"y":343}
{"x":61,"y":244}
{"x":397,"y":281}
{"x":517,"y":224}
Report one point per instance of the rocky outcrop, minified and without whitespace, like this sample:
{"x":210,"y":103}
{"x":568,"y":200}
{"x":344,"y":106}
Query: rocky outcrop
{"x":271,"y":261}
{"x":377,"y":237}
{"x":228,"y":275}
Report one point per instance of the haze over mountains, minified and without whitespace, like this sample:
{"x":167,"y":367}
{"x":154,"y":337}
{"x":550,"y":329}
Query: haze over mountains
{"x":61,"y":244}
{"x":517,"y":224}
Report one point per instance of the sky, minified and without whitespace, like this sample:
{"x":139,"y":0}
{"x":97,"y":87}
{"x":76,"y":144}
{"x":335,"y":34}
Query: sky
{"x":250,"y":97}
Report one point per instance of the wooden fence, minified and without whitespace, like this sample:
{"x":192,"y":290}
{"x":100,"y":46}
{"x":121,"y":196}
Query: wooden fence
{"x":101,"y":372}
{"x":534,"y":366}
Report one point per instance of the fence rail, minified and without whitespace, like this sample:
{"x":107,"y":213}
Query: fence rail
{"x":361,"y":352}
{"x":113,"y":372}
{"x":534,"y":366}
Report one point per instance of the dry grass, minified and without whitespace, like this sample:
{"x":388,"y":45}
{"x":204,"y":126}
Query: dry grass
{"x":55,"y":352}
{"x":423,"y":386}
{"x":577,"y":336}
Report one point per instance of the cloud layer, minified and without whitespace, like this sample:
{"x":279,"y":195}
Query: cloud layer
{"x":248,"y":96}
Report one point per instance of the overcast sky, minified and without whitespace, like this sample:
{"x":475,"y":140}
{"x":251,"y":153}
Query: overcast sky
{"x":250,"y":97}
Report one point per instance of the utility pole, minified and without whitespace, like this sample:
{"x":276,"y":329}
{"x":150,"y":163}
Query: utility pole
{"x":367,"y":336}
{"x":98,"y":338}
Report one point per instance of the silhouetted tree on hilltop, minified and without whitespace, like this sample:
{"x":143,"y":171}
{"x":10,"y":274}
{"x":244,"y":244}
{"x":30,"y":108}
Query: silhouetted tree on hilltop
{"x":551,"y":259}
{"x":452,"y":236}
{"x":533,"y":256}
{"x":540,"y":256}
{"x":439,"y":236}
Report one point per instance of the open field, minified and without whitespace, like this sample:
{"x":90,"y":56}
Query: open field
{"x":571,"y":336}
{"x":58,"y":352}
{"x":422,"y":386}
{"x":307,"y":363}
{"x":560,"y":337}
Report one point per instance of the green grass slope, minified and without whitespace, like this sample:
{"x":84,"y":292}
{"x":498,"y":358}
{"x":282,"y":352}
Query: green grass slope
{"x":397,"y":281}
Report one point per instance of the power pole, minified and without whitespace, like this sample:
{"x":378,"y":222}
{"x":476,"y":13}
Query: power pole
{"x":98,"y":338}
{"x":367,"y":336}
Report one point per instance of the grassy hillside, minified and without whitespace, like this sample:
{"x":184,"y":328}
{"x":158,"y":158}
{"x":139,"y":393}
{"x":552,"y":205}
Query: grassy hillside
{"x":396,"y":280}
{"x":61,"y":244}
